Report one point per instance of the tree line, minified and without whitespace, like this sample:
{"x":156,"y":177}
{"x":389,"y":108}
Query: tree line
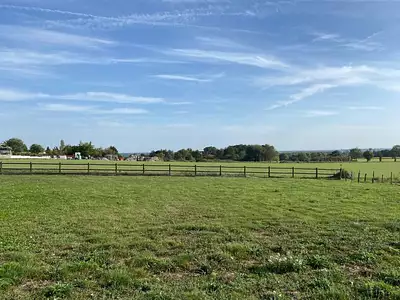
{"x":87,"y":149}
{"x":255,"y":153}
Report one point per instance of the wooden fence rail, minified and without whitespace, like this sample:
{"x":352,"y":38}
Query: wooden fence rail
{"x":125,"y":169}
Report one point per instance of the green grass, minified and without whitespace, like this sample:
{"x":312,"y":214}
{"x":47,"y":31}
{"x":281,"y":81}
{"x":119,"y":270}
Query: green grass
{"x":197,"y":238}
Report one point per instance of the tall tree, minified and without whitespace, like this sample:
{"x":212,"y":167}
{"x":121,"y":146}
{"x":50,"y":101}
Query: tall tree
{"x":395,"y":152}
{"x":284,"y":157}
{"x":36,"y":149}
{"x":355,"y":153}
{"x":368,"y":155}
{"x":62,"y":145}
{"x":17,"y":145}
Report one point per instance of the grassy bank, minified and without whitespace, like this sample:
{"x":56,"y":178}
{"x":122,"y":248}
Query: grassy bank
{"x":197,"y":238}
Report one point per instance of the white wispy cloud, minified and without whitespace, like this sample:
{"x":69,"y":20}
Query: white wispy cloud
{"x":249,"y":59}
{"x":314,"y":81}
{"x":121,"y":111}
{"x":220,"y":42}
{"x":364,"y":44}
{"x":197,"y":78}
{"x":181,"y":112}
{"x":12,"y":57}
{"x":320,"y":113}
{"x":185,"y":17}
{"x":58,"y":107}
{"x":178,"y":103}
{"x":321,"y":36}
{"x":365,"y":108}
{"x":108,"y":97}
{"x":17,"y":95}
{"x":22,"y":57}
{"x":179,"y":125}
{"x":37,"y":36}
{"x":304,"y":93}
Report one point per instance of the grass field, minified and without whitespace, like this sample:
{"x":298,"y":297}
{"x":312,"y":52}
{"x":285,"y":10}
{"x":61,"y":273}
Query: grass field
{"x":197,"y":238}
{"x":380,"y":168}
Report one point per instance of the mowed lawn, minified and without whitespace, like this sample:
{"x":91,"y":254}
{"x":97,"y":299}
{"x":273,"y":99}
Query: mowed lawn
{"x":197,"y":238}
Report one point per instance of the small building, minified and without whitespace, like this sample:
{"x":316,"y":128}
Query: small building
{"x":5,"y":150}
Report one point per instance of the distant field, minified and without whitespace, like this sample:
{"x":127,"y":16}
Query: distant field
{"x":197,"y":238}
{"x":380,"y":168}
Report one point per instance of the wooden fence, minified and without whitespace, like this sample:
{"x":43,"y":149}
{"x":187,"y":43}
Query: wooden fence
{"x":124,"y":169}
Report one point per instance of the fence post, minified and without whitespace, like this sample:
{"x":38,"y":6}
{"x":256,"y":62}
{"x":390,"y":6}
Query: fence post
{"x":382,"y":178}
{"x":269,"y":172}
{"x":1,"y":167}
{"x":59,"y":167}
{"x":244,"y":170}
{"x":195,"y":170}
{"x":365,"y":177}
{"x":116,"y":168}
{"x":169,"y":170}
{"x":316,"y":173}
{"x":88,"y":168}
{"x":391,"y":177}
{"x":220,"y":170}
{"x":143,"y":169}
{"x":373,"y":177}
{"x":359,"y":176}
{"x":31,"y":167}
{"x":293,"y":172}
{"x":341,"y":173}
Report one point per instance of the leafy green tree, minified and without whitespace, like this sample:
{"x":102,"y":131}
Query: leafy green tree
{"x":368,"y":155}
{"x":178,"y":156}
{"x":380,"y":155}
{"x":395,"y":152}
{"x":269,"y":153}
{"x":62,"y":146}
{"x":197,"y":155}
{"x":355,"y":153}
{"x":111,"y":150}
{"x":284,"y":157}
{"x":210,"y":152}
{"x":36,"y":149}
{"x":336,"y":153}
{"x":17,"y":145}
{"x":303,"y":157}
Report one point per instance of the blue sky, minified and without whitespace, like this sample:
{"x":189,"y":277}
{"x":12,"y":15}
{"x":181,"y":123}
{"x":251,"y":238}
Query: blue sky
{"x":150,"y":74}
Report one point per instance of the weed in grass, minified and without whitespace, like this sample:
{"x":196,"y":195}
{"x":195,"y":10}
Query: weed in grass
{"x":378,"y":290}
{"x":279,"y":264}
{"x":57,"y":291}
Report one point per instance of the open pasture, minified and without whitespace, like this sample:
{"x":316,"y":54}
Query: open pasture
{"x":197,"y":238}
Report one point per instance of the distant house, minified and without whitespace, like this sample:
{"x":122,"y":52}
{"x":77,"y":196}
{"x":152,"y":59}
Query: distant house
{"x":5,"y":150}
{"x":139,"y":157}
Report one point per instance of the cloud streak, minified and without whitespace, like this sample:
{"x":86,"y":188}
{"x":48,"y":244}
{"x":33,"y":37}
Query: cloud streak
{"x":191,"y":78}
{"x":57,"y":107}
{"x":320,"y":113}
{"x":167,"y":18}
{"x":315,"y":81}
{"x":36,"y":36}
{"x":15,"y":95}
{"x":248,"y":59}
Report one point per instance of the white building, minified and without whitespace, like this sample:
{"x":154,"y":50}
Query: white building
{"x":5,"y":150}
